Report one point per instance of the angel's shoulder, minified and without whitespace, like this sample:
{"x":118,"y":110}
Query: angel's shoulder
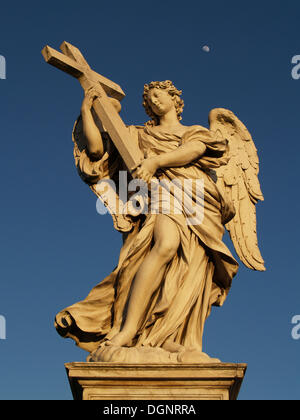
{"x":135,"y":128}
{"x":198,"y":127}
{"x":196,"y":131}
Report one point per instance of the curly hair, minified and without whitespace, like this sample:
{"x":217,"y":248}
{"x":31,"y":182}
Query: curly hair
{"x":172,"y":91}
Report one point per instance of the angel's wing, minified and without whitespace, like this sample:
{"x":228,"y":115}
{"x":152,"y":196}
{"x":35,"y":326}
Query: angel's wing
{"x":239,"y":180}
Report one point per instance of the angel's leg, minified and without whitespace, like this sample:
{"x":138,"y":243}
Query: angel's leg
{"x":149,"y":277}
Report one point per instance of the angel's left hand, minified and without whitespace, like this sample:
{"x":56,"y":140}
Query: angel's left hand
{"x":146,"y":169}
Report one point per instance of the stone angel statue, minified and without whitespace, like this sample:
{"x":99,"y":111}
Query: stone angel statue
{"x":154,"y":304}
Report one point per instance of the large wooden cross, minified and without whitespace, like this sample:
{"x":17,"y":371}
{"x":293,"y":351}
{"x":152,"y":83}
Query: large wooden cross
{"x":72,"y":62}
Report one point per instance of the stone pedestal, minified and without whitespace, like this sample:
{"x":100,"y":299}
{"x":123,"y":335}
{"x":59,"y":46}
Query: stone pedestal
{"x":117,"y":381}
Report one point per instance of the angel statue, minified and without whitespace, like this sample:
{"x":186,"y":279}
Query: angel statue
{"x":154,"y":304}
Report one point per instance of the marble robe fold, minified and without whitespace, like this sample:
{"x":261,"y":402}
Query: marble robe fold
{"x":199,"y":275}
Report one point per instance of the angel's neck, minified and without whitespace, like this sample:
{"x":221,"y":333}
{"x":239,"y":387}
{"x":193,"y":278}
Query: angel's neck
{"x":169,"y":120}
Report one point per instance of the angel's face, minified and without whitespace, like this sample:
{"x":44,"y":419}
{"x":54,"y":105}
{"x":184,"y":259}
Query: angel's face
{"x":160,"y":101}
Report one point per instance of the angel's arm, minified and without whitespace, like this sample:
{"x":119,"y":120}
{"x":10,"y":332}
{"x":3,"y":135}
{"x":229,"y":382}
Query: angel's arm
{"x":94,"y":142}
{"x":91,"y":132}
{"x":183,"y":155}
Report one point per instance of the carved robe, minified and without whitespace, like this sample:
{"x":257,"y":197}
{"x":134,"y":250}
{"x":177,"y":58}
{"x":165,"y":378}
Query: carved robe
{"x":199,"y":275}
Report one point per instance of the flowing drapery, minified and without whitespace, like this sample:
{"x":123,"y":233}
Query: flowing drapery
{"x":199,"y":275}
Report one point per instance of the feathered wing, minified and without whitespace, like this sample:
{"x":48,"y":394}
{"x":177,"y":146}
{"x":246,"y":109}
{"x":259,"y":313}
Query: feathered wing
{"x":239,"y":180}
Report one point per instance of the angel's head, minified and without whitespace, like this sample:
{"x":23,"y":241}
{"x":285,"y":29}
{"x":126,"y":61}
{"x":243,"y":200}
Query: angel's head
{"x":161,"y":97}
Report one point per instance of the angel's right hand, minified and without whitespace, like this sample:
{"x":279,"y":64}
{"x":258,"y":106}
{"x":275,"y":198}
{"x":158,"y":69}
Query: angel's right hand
{"x":89,"y":97}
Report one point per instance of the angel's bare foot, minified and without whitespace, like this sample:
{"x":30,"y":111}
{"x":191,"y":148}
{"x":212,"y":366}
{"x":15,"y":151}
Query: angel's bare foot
{"x":172,"y":347}
{"x":123,"y":338}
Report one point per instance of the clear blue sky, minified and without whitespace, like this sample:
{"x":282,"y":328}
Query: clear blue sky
{"x":55,"y":247}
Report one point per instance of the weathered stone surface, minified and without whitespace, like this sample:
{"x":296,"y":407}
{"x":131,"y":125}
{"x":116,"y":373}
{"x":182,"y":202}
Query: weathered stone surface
{"x":114,"y":381}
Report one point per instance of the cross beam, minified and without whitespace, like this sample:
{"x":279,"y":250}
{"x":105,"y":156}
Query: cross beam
{"x":72,"y":62}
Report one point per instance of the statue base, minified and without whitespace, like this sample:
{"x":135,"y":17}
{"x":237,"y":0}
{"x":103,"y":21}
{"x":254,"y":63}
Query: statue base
{"x":120,"y":381}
